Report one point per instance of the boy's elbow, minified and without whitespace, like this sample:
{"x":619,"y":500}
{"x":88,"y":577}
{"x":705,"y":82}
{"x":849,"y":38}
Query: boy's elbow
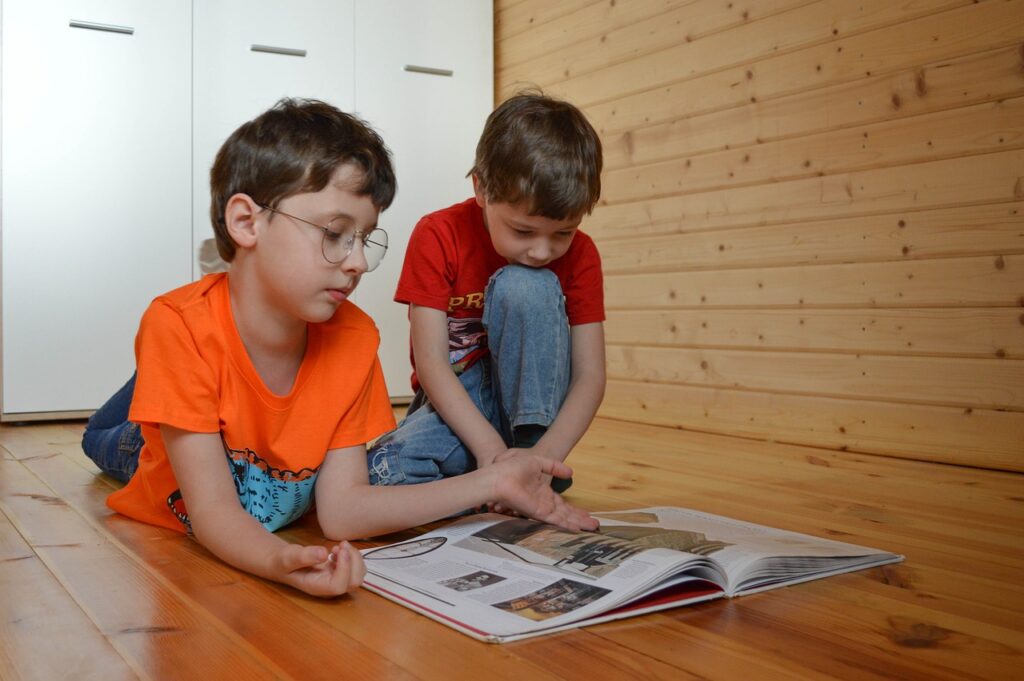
{"x":335,"y":530}
{"x":343,"y":524}
{"x":213,"y":527}
{"x":330,"y":534}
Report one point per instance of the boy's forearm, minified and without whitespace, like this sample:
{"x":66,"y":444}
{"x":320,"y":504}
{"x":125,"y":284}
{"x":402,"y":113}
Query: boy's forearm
{"x":218,"y":520}
{"x":241,"y":541}
{"x":520,"y":483}
{"x":452,"y":402}
{"x":429,"y":334}
{"x":575,"y":416}
{"x":362,"y":511}
{"x":586,"y":390}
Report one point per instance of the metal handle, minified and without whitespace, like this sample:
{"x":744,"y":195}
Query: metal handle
{"x":291,"y":52}
{"x":109,"y":28}
{"x":429,"y":70}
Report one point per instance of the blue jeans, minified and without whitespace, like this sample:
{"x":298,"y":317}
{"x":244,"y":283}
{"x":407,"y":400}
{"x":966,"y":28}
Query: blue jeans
{"x":111,"y":440}
{"x":522,"y":384}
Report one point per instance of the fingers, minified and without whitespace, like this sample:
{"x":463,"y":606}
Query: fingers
{"x":568,"y":516}
{"x":324,"y":572}
{"x":585,"y":521}
{"x":524,"y":487}
{"x":556,"y":469}
{"x":348,"y":568}
{"x":297,"y":557}
{"x":358,"y":572}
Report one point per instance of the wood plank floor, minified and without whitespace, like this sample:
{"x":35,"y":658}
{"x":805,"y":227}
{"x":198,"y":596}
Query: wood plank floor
{"x":87,"y":594}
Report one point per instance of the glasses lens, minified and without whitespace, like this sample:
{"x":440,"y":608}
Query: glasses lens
{"x":375,"y":245}
{"x":337,"y":242}
{"x":338,"y":245}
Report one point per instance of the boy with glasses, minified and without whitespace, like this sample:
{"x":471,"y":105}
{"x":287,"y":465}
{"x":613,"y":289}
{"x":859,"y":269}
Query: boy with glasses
{"x":257,"y":389}
{"x":506,"y":305}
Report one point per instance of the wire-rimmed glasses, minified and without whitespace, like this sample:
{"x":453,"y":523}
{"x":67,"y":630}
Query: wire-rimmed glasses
{"x":338,"y":241}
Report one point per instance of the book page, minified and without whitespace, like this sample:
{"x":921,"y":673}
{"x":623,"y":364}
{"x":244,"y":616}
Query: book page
{"x":494,"y":576}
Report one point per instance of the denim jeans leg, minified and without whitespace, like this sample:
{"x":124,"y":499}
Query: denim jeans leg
{"x":110,"y":439}
{"x":528,"y":337}
{"x":423,"y":448}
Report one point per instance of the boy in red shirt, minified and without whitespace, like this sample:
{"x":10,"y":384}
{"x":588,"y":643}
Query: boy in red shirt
{"x":506,"y":304}
{"x":257,"y":389}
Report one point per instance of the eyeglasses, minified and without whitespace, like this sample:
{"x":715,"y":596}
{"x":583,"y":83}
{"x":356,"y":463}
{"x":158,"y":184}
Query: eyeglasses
{"x":337,"y":242}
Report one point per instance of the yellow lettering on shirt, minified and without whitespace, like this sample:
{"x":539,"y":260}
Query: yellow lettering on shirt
{"x":470,"y":301}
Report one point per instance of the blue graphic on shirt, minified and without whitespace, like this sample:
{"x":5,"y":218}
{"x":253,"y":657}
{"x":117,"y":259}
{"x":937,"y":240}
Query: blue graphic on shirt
{"x":273,"y":496}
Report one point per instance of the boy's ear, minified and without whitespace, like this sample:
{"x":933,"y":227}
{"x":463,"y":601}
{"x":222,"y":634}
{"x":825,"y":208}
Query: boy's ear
{"x":478,"y":191}
{"x":240,"y":214}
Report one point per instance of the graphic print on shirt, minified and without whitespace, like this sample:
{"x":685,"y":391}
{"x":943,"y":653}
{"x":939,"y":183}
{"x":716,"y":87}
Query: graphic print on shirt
{"x":177,"y":506}
{"x":273,"y":496}
{"x":470,"y":301}
{"x":467,"y":341}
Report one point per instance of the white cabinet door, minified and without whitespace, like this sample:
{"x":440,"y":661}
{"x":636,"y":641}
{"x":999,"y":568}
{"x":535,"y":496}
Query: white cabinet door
{"x":248,"y":55}
{"x":424,"y":80}
{"x":96,"y":190}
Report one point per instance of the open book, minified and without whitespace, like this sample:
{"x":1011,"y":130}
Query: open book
{"x":498,"y":578}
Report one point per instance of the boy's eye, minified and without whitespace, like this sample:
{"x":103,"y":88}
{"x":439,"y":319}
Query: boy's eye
{"x":565,"y":235}
{"x":332,"y":236}
{"x":523,"y":232}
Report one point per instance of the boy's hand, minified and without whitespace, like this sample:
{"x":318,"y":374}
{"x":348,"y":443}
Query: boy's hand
{"x":494,"y":506}
{"x":319,"y":572}
{"x":522,"y":483}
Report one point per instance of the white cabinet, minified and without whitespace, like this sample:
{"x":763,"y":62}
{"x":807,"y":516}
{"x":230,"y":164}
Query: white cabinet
{"x":112,"y":112}
{"x":424,"y":80}
{"x":96,"y":190}
{"x":251,"y":53}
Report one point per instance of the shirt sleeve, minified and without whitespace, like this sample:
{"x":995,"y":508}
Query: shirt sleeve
{"x":427,"y":273}
{"x":175,"y":386}
{"x":584,"y":292}
{"x":370,"y":414}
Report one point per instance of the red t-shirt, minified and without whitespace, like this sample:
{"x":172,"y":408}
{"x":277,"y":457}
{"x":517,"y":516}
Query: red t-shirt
{"x":195,"y":374}
{"x":449,"y":261}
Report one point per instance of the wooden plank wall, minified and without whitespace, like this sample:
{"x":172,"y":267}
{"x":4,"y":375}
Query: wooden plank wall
{"x":811,"y":219}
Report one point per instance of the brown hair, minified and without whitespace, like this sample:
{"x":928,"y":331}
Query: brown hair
{"x":292,"y":148}
{"x":542,"y":152}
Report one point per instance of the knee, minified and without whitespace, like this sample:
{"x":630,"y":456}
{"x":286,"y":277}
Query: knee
{"x":393,"y":463}
{"x":515,"y":287}
{"x":91,"y":433}
{"x":87,"y":441}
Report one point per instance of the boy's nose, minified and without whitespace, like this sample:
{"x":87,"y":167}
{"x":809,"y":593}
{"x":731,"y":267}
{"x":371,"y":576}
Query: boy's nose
{"x":356,"y":260}
{"x":539,"y":250}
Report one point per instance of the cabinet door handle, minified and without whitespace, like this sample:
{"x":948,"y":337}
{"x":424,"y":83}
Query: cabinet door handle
{"x":429,"y":70}
{"x":270,"y":49}
{"x":109,"y":28}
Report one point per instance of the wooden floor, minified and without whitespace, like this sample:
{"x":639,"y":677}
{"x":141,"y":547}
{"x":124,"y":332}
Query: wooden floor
{"x":87,"y":594}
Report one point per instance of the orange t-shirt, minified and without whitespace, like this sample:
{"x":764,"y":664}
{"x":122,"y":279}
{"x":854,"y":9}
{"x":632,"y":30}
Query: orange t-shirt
{"x":195,"y":374}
